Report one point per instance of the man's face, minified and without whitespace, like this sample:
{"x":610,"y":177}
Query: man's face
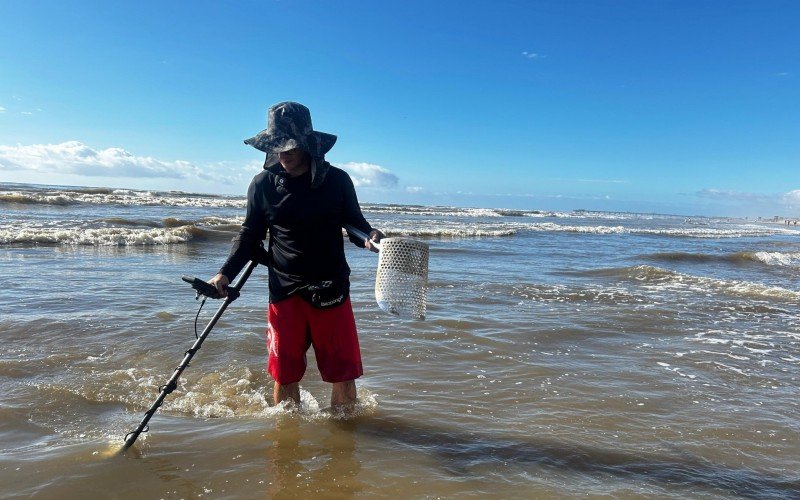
{"x":295,"y":161}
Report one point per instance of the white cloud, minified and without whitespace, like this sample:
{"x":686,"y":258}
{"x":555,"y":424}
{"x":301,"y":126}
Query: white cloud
{"x":719,"y":194}
{"x":415,"y":189}
{"x":370,"y":175}
{"x":792,"y":198}
{"x":76,"y":158}
{"x":591,"y":181}
{"x":2,"y":109}
{"x":789,"y":200}
{"x":533,"y":55}
{"x":604,"y":181}
{"x":73,"y":159}
{"x":28,"y":113}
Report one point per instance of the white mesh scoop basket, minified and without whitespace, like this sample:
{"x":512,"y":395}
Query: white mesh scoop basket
{"x":401,"y":283}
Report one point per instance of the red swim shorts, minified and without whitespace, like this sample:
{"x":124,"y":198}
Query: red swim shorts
{"x":294,"y":325}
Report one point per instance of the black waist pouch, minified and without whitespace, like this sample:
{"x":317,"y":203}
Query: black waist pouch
{"x":326,"y":294}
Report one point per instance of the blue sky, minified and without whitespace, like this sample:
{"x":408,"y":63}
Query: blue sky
{"x":689,"y":107}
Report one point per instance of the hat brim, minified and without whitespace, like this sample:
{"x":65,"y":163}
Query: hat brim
{"x":316,"y":144}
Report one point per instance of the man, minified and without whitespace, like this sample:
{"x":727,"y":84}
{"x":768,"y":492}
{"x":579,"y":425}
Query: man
{"x":302,"y":202}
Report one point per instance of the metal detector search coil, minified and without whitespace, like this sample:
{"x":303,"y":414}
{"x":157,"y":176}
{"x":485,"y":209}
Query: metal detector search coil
{"x":401,"y":284}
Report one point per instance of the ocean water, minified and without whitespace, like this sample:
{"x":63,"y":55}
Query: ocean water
{"x":563,"y":354}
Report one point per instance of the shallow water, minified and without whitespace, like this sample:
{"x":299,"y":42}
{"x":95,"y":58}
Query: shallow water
{"x":563,"y":354}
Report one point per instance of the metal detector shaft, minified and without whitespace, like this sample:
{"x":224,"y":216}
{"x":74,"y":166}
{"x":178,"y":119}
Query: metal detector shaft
{"x":360,"y":234}
{"x":172,"y":384}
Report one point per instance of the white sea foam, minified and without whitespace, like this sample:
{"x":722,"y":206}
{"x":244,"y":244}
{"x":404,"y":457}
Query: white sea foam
{"x":451,"y":232}
{"x":568,"y":294}
{"x":221,"y":221}
{"x":234,"y":391}
{"x":460,"y":228}
{"x":117,"y":231}
{"x":174,"y":231}
{"x":114,"y":236}
{"x":413,"y":228}
{"x":228,"y":393}
{"x":659,"y":279}
{"x":119,"y":197}
{"x":715,"y":232}
{"x":447,"y":211}
{"x":549,"y":226}
{"x":778,"y":258}
{"x":686,"y":232}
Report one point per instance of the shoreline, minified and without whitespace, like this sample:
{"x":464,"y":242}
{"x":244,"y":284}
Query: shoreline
{"x":788,"y":222}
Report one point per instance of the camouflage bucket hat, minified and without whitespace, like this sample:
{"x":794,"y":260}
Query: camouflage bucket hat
{"x":289,"y":127}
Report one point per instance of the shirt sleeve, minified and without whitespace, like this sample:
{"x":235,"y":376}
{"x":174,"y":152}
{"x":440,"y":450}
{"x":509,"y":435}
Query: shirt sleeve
{"x":247,"y":244}
{"x":352,"y":211}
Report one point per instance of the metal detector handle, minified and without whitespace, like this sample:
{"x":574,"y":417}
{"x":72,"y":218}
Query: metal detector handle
{"x":202,"y":287}
{"x":360,"y":234}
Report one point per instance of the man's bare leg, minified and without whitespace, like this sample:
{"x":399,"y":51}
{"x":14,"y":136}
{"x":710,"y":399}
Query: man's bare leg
{"x":343,"y":394}
{"x":287,"y":391}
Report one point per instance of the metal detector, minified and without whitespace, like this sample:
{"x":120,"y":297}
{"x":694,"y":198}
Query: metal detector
{"x":203,"y":289}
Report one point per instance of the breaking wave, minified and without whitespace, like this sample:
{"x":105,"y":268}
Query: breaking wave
{"x":660,"y":279}
{"x":776,"y":258}
{"x":36,"y":198}
{"x":442,"y":211}
{"x":124,"y":232}
{"x":108,"y":196}
{"x":102,"y":236}
{"x":451,"y":232}
{"x":739,"y":258}
{"x":170,"y":231}
{"x":684,"y":232}
{"x":716,"y":232}
{"x":549,"y":226}
{"x":446,"y":211}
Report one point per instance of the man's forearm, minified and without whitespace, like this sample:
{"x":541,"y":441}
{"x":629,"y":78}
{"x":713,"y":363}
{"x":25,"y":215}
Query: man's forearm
{"x":243,"y":250}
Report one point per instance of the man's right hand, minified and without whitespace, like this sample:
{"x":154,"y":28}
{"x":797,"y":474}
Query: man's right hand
{"x":220,"y":282}
{"x":374,"y":236}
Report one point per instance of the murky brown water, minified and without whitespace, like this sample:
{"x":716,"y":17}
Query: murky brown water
{"x":624,"y":359}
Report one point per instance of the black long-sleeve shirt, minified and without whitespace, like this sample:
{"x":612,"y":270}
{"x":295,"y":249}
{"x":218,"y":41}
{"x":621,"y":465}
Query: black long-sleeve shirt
{"x":304,"y":224}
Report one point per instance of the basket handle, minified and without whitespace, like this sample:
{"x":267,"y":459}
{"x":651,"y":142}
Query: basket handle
{"x":360,"y":234}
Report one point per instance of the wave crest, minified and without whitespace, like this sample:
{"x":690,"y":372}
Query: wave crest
{"x":661,"y":279}
{"x":114,"y":236}
{"x":739,"y":258}
{"x":107,"y":196}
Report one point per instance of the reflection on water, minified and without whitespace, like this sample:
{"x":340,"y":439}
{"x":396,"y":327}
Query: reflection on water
{"x":463,"y":454}
{"x":299,"y":468}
